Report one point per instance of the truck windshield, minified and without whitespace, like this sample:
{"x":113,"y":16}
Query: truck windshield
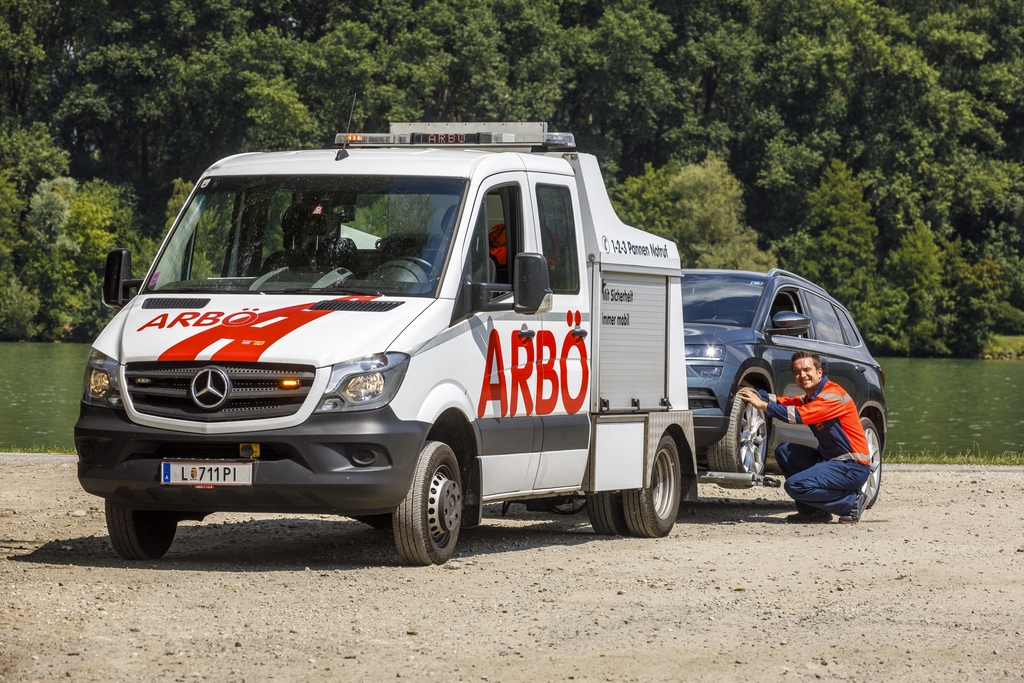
{"x":721,"y":299}
{"x":319,"y":234}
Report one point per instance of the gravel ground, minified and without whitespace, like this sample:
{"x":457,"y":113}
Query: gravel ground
{"x":927,"y":587}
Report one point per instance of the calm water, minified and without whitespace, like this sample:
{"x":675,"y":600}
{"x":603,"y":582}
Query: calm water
{"x":934,"y":405}
{"x":953,"y":406}
{"x":40,"y":389}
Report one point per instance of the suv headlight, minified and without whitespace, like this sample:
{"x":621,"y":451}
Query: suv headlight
{"x":705,"y":351}
{"x":102,"y":386}
{"x":364,"y":383}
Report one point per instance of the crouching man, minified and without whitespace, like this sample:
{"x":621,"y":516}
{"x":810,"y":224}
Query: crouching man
{"x":829,"y":479}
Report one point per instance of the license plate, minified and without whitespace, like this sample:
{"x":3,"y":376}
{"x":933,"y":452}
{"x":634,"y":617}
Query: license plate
{"x":206,"y":473}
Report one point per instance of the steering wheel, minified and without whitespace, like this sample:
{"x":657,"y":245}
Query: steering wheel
{"x":415,"y":268}
{"x":335,"y":277}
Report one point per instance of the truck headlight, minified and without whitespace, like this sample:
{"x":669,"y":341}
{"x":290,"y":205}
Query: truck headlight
{"x":102,"y":386}
{"x":364,"y":383}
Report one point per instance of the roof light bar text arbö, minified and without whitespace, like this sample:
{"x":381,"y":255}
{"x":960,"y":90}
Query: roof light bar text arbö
{"x":521,"y":136}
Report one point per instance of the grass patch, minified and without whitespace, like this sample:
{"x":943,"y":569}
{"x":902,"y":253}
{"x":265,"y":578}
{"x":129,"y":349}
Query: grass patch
{"x":1004,"y":343}
{"x":37,"y":448}
{"x":902,"y":457}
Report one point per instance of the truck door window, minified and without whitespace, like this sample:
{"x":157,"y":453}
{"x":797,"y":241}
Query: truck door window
{"x":558,"y":238}
{"x":496,"y":236}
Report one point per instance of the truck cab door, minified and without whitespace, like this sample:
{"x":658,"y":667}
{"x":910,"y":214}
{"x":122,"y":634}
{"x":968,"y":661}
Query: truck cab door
{"x":563,"y":347}
{"x":501,"y":349}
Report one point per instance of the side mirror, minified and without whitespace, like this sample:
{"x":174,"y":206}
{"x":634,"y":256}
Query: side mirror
{"x":532,"y":290}
{"x":117,"y":279}
{"x":790,"y":323}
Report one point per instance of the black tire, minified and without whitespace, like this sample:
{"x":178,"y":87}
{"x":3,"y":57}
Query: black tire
{"x":604,"y":509}
{"x":140,"y":534}
{"x":744,"y":448}
{"x":426,"y":523}
{"x":875,"y":452}
{"x":651,"y":512}
{"x":382,"y":521}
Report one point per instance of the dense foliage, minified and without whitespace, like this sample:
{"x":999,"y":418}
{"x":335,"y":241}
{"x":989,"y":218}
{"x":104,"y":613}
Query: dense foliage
{"x":875,"y":147}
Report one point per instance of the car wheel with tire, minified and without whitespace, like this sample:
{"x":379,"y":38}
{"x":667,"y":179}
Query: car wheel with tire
{"x":426,"y":524}
{"x":651,"y":511}
{"x":745,"y":444}
{"x":140,"y":534}
{"x":874,"y":482}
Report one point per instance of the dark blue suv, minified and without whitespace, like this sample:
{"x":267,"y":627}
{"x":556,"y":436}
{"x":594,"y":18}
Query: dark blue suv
{"x":741,"y":329}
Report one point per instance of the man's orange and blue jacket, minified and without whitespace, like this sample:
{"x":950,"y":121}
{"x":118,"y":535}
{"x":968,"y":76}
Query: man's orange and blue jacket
{"x":831,"y":414}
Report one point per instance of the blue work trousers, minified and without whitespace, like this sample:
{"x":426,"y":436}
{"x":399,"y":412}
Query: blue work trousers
{"x":816,"y":483}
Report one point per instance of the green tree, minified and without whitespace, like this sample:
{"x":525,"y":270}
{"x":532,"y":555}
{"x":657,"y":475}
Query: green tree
{"x":839,"y":250}
{"x":711,"y":232}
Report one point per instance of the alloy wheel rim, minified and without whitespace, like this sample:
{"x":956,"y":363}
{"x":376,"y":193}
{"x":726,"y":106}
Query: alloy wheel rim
{"x":875,"y":456}
{"x":753,"y":439}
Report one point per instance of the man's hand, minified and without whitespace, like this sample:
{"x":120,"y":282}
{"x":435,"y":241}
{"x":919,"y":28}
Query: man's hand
{"x":751,"y":397}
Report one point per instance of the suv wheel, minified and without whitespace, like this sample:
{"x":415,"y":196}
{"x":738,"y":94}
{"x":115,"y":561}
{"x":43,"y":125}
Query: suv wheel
{"x":874,"y":483}
{"x":744,"y":446}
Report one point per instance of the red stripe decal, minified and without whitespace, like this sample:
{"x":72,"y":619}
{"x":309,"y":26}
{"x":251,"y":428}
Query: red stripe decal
{"x":241,"y":347}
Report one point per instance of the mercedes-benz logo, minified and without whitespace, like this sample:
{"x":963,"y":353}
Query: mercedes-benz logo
{"x":210,"y":388}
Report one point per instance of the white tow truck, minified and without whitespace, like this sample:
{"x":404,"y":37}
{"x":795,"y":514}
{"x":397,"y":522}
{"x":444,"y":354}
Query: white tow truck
{"x":401,"y":330}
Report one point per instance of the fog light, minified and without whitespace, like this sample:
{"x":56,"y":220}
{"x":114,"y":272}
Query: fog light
{"x":364,"y":457}
{"x":85,"y":451}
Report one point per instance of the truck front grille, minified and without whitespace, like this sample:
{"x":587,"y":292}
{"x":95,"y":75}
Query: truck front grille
{"x":257,"y":390}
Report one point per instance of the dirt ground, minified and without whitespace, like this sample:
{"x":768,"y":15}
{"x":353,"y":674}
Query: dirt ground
{"x":926,"y":587}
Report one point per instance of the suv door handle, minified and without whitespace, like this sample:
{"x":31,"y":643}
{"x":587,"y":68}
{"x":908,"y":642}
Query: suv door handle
{"x":525,"y":334}
{"x":860,"y":368}
{"x":579,"y":333}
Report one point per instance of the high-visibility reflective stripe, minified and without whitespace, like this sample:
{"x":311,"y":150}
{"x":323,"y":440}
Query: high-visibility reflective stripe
{"x":772,"y":398}
{"x":792,"y":415}
{"x":838,"y":398}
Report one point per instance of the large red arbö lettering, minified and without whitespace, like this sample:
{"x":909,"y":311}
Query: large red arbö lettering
{"x":552,"y":370}
{"x":493,"y":391}
{"x":521,"y":373}
{"x":546,"y":372}
{"x":572,"y":403}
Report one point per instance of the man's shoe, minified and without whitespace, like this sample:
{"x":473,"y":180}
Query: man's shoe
{"x":855,"y":513}
{"x":816,"y":517}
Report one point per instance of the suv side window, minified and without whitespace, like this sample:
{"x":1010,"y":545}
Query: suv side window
{"x":786,"y":300}
{"x":558,"y":237}
{"x":851,"y":332}
{"x":826,"y":323}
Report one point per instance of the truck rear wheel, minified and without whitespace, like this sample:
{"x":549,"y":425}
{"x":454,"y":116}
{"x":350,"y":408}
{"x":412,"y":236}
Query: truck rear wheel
{"x":140,"y":534}
{"x":426,"y":524}
{"x":651,"y":512}
{"x":606,"y":514}
{"x":742,"y":449}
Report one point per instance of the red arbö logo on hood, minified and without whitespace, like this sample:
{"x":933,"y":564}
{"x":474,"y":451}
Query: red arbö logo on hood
{"x":240,"y":336}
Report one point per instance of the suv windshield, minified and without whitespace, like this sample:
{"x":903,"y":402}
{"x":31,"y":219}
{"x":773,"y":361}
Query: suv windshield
{"x":358,"y":234}
{"x":721,"y":299}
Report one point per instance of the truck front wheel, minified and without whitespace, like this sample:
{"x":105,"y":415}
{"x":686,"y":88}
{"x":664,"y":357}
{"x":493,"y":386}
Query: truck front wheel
{"x":426,"y":524}
{"x":651,"y":512}
{"x":140,"y":534}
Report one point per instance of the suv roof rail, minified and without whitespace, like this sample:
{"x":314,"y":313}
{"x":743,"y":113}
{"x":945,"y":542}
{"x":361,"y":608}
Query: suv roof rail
{"x":779,"y":271}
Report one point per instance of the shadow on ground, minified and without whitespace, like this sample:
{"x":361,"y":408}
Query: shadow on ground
{"x":342,"y":544}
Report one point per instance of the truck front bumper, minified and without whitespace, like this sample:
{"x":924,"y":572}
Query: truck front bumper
{"x":347,"y":464}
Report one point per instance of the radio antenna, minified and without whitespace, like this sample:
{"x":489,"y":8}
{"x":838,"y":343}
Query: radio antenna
{"x":342,"y":153}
